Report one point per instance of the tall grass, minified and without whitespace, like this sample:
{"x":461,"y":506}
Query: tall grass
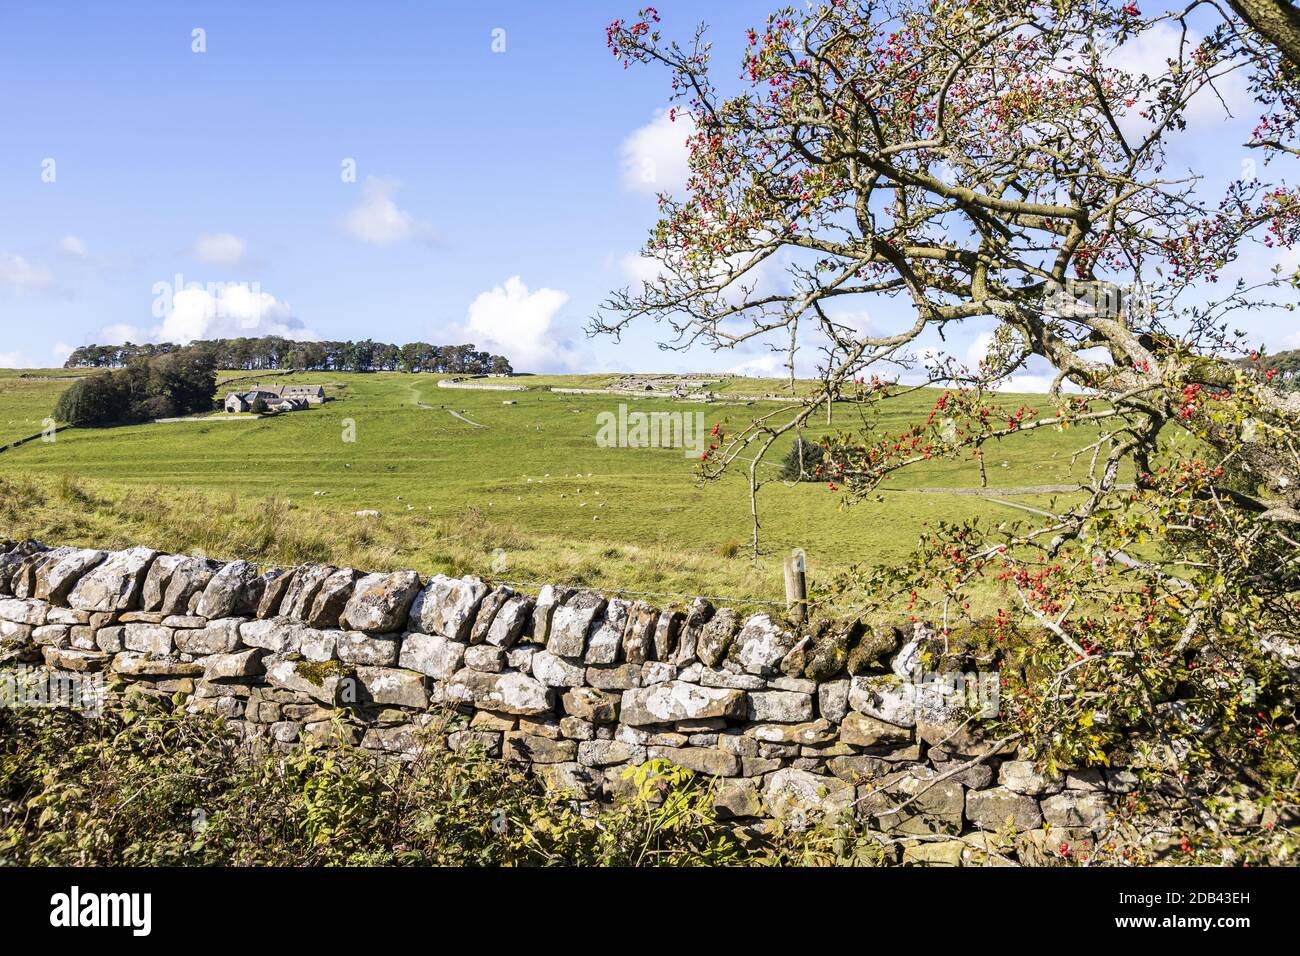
{"x":275,"y":531}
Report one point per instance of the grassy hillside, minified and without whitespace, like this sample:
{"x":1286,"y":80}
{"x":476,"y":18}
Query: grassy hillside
{"x":27,"y":398}
{"x":526,"y":478}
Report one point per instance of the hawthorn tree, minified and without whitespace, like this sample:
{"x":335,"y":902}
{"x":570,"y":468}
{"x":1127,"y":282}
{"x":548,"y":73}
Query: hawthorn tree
{"x":994,"y":162}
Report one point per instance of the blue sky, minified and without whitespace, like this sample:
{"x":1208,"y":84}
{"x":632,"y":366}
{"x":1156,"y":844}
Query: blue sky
{"x":493,"y":201}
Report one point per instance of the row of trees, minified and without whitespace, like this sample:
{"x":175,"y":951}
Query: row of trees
{"x":159,"y":386}
{"x":275,"y":352}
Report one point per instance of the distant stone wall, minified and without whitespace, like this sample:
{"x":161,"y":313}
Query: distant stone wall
{"x":483,"y":386}
{"x":577,"y":685}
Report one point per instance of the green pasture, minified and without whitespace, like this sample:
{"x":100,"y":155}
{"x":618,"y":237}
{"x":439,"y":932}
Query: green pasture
{"x":529,"y":473}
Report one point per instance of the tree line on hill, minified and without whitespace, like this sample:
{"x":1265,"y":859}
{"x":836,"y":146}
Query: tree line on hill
{"x":274,"y":352}
{"x":149,"y":387}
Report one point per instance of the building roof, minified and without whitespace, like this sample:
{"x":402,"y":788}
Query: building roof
{"x":254,"y":395}
{"x":289,"y":391}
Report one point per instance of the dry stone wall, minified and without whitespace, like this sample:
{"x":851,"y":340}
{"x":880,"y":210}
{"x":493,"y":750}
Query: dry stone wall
{"x":573,"y":683}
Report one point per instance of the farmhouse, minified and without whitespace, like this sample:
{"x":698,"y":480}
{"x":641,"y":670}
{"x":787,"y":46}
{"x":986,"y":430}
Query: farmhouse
{"x":281,"y":398}
{"x":311,"y":394}
{"x":244,"y":401}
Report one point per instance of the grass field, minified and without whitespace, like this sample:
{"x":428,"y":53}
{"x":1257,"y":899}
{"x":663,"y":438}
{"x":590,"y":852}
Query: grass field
{"x":529,"y":488}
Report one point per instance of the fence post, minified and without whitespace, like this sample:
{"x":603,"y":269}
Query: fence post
{"x":796,"y":587}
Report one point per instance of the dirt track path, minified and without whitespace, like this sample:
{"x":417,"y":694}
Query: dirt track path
{"x":416,"y":396}
{"x":467,"y":421}
{"x":415,"y":400}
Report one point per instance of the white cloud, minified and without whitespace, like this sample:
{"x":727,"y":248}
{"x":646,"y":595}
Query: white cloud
{"x":73,"y":247}
{"x":654,"y":157}
{"x":931,"y":357}
{"x":639,"y":269}
{"x":229,"y":311}
{"x":519,"y":324}
{"x":764,"y":366}
{"x":15,"y":360}
{"x":219,"y":249}
{"x":20,"y":275}
{"x":121,"y":332}
{"x":1031,"y":384}
{"x":61,"y":351}
{"x":979,"y":349}
{"x":1149,"y":53}
{"x":217,"y":311}
{"x":378,"y":220}
{"x":856,"y":322}
{"x":747,"y":277}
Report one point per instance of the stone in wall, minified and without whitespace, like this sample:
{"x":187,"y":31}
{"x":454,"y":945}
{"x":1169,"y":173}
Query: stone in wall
{"x":448,"y":606}
{"x":431,"y":654}
{"x":318,"y":646}
{"x":507,"y":693}
{"x":156,"y":580}
{"x":554,"y":671}
{"x":190,"y":576}
{"x":275,"y":585}
{"x":884,"y":697}
{"x":716,"y":637}
{"x":571,"y":623}
{"x":487,"y":612}
{"x":791,"y":791}
{"x":317,"y":682}
{"x":380,"y":602}
{"x":511,"y":621}
{"x":692,"y":625}
{"x":13,"y":558}
{"x":330,"y":599}
{"x":485,"y":657}
{"x":760,"y":646}
{"x":373,"y":650}
{"x":149,"y":638}
{"x":998,"y":808}
{"x":638,"y":637}
{"x":215,"y":637}
{"x":679,"y":701}
{"x":28,"y":611}
{"x":393,"y":687}
{"x":617,"y":677}
{"x":59,"y":573}
{"x":779,"y":706}
{"x":280,"y":635}
{"x":913,"y":802}
{"x":115,"y":583}
{"x":234,"y":591}
{"x":549,"y":598}
{"x":606,"y":641}
{"x":666,"y":634}
{"x":302,"y":590}
{"x":234,"y":665}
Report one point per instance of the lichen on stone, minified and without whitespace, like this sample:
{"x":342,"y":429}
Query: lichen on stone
{"x":318,"y":672}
